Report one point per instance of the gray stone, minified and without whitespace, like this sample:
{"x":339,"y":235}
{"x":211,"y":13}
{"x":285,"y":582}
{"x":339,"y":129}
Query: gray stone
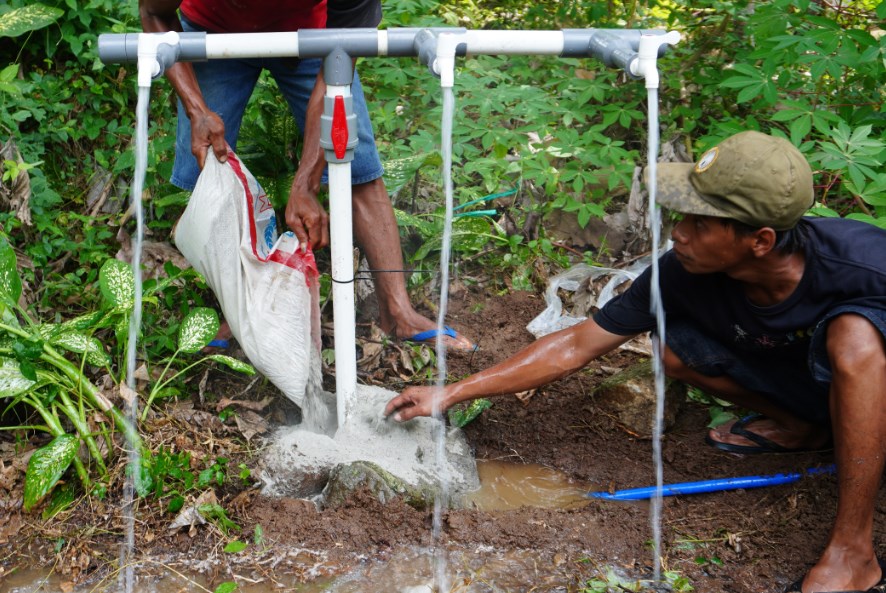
{"x":629,"y":396}
{"x":383,"y":485}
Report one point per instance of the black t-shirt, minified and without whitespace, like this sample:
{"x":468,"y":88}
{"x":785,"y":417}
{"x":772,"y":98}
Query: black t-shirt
{"x":845,"y":264}
{"x":353,"y":14}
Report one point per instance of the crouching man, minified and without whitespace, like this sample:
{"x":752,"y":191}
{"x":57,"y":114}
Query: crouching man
{"x":778,"y":313}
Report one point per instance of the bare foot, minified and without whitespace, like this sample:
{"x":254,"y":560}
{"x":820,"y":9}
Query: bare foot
{"x":759,"y":434}
{"x":843,"y":571}
{"x":420,"y":325}
{"x":223,"y":335}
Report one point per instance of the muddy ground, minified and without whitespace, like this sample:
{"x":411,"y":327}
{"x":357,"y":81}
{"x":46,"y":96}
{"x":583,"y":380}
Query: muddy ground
{"x":740,"y":541}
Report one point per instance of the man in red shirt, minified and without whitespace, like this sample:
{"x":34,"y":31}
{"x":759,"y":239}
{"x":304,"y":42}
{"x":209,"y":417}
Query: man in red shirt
{"x":212,"y":99}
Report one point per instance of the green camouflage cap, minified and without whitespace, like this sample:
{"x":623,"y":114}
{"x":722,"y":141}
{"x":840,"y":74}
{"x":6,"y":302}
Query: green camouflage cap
{"x":754,"y":178}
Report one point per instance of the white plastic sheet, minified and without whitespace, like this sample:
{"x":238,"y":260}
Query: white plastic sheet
{"x":554,"y":318}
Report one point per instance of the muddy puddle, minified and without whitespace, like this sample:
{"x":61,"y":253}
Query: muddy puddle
{"x":504,"y":486}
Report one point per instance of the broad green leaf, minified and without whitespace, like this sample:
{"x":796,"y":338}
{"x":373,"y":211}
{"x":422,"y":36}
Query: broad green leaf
{"x":84,"y":322}
{"x":12,"y":381}
{"x":399,"y":172}
{"x":9,"y":73}
{"x":29,"y":18}
{"x":27,"y":349}
{"x":800,"y":127}
{"x":117,"y":284}
{"x":233,"y":363}
{"x":226,"y":587}
{"x":46,"y":467}
{"x":62,"y":497}
{"x":82,"y":344}
{"x":235,"y":547}
{"x":10,"y":281}
{"x":197,"y":329}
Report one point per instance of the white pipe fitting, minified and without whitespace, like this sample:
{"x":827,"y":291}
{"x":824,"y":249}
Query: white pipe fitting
{"x":647,"y":56}
{"x":444,"y":64}
{"x":149,"y":66}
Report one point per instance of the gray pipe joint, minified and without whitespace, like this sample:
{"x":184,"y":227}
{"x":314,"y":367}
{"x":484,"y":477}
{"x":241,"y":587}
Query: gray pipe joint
{"x":612,"y":50}
{"x":425,"y":47}
{"x":122,"y":48}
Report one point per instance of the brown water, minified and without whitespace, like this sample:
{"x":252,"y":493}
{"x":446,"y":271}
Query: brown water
{"x":506,"y":486}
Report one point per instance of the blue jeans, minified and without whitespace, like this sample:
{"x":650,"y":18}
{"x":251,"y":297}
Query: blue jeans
{"x":800,"y":387}
{"x":227,"y":86}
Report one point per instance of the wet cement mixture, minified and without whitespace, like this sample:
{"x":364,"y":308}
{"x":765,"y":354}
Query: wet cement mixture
{"x":740,"y":541}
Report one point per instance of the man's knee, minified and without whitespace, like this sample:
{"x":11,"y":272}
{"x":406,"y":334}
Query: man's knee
{"x":855,"y":345}
{"x":674,"y":367}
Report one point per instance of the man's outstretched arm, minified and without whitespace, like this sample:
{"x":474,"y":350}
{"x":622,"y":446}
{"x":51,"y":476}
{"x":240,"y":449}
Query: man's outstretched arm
{"x":548,"y":359}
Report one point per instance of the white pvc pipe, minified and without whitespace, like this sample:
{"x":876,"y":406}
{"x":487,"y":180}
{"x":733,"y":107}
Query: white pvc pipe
{"x":252,"y":45}
{"x":496,"y":42}
{"x":343,"y":302}
{"x":482,"y":42}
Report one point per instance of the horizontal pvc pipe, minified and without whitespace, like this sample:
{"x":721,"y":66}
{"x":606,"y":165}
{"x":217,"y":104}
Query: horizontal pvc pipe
{"x":252,"y":45}
{"x":513,"y":43}
{"x":315,"y":43}
{"x":716,"y":485}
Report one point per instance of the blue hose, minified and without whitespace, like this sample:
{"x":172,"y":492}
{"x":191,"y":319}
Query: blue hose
{"x":711,"y":485}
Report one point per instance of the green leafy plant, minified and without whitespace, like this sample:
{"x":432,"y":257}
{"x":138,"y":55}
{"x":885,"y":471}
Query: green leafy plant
{"x":216,"y":514}
{"x":215,"y":473}
{"x":35,"y":371}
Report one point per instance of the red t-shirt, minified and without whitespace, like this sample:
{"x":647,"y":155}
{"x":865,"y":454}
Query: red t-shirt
{"x":255,"y":16}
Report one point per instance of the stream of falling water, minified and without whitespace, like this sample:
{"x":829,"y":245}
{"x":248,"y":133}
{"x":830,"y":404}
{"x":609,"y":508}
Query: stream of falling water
{"x":441,"y":501}
{"x":658,"y":338}
{"x":133,"y":474}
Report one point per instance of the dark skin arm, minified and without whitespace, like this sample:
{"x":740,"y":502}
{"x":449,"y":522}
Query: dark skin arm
{"x":207,"y":129}
{"x":546,"y":360}
{"x":304,"y":214}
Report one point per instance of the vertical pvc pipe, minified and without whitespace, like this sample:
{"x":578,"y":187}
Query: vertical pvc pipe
{"x":343,"y":302}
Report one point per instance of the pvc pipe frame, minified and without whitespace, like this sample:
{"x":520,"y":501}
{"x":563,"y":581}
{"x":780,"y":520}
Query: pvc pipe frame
{"x":716,"y":485}
{"x":155,"y":52}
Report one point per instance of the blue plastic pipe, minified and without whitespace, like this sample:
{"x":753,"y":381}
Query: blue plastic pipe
{"x":711,"y":485}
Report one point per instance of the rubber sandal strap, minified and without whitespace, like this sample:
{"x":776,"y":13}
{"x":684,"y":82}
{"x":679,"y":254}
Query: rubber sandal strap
{"x":432,"y":333}
{"x":740,"y":429}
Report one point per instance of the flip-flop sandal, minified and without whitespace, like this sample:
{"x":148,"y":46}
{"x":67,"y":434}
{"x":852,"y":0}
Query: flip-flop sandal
{"x":431,"y":335}
{"x":762,"y":444}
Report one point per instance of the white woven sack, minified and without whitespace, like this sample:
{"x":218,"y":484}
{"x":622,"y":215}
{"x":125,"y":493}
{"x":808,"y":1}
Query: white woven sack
{"x":267,"y":288}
